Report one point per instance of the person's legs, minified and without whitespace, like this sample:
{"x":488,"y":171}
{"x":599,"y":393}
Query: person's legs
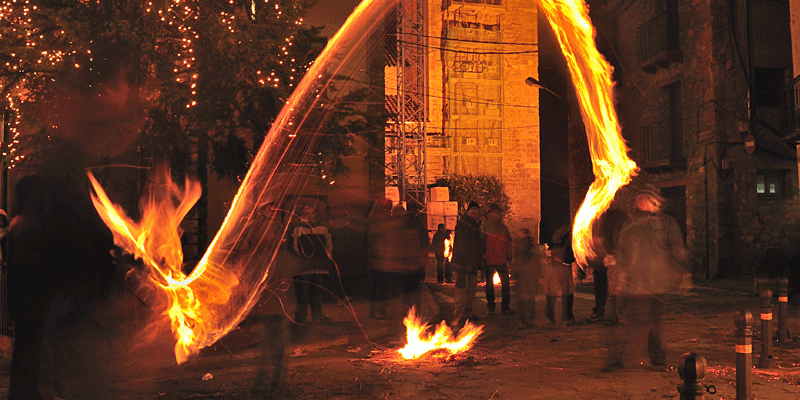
{"x":378,"y":295}
{"x":505,"y":282}
{"x":489,"y":274}
{"x":566,"y":304}
{"x":301,"y":294}
{"x":411,"y":286}
{"x":600,"y":274}
{"x":550,"y":308}
{"x":315,"y":290}
{"x":26,"y":358}
{"x":459,"y":298}
{"x":440,"y":273}
{"x":472,"y":286}
{"x":656,"y":346}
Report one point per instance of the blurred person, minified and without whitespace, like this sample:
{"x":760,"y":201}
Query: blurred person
{"x":499,"y":252}
{"x":59,"y":267}
{"x":312,"y":243}
{"x":558,"y":277}
{"x":530,"y":259}
{"x":468,"y":259}
{"x":379,"y":247}
{"x":651,"y":260}
{"x":443,"y":273}
{"x":412,"y":256}
{"x":605,"y":243}
{"x":270,"y":310}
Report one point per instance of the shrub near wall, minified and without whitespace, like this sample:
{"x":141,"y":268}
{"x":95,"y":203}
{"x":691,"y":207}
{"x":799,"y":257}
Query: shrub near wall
{"x":484,"y":189}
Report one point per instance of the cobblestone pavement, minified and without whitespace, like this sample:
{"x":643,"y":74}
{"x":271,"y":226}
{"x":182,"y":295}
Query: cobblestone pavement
{"x":354,"y":357}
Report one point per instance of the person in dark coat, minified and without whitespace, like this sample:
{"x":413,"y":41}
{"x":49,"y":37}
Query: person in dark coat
{"x":59,"y":264}
{"x":443,"y":273}
{"x":468,"y":258}
{"x":650,"y":261}
{"x":398,"y":252}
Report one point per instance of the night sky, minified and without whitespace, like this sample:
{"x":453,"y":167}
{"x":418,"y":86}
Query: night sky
{"x":331,"y":14}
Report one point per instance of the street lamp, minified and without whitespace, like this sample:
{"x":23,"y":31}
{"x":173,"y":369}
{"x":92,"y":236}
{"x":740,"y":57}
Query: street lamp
{"x":530,"y":81}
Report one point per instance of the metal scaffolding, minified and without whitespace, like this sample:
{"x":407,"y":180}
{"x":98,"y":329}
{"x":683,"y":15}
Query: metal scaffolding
{"x":406,"y":136}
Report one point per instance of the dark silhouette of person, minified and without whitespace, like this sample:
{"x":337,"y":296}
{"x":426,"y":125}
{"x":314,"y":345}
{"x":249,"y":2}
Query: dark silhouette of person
{"x":443,"y":273}
{"x":468,"y":258}
{"x":59,"y":262}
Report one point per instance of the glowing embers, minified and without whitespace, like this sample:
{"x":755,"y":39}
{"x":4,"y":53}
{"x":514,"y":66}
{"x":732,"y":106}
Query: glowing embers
{"x":419,"y":341}
{"x":191,"y":302}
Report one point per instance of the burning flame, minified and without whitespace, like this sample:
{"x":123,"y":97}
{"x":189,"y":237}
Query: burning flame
{"x":211,"y":300}
{"x":496,"y":278}
{"x":591,"y":76}
{"x":418,"y":342}
{"x":448,"y":249}
{"x":155,"y":239}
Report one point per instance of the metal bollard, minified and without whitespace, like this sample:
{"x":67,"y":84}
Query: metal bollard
{"x":766,"y":361}
{"x":783,"y":300}
{"x":692,"y":370}
{"x":744,"y":355}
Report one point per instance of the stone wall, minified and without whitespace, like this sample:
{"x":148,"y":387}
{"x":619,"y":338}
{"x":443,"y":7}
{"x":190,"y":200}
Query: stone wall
{"x":729,"y":229}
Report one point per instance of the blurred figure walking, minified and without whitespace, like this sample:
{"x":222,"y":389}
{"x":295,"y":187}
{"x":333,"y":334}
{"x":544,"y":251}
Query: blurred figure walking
{"x":558,"y":280}
{"x":651,"y":260}
{"x":530,"y":259}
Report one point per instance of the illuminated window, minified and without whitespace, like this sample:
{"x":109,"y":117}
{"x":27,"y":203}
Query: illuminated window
{"x":770,"y":182}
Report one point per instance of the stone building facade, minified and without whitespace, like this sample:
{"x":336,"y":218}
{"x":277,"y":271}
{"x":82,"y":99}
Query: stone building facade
{"x":705,"y":100}
{"x":483,"y":118}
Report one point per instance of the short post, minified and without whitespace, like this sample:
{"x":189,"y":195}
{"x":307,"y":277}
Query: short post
{"x":783,"y":301}
{"x":692,"y":370}
{"x":744,"y":355}
{"x":766,"y":361}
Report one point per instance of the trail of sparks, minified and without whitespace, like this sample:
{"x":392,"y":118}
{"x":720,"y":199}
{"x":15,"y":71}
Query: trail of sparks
{"x":213,"y":299}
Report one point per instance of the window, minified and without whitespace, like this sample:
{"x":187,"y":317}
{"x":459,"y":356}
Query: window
{"x":659,"y":38}
{"x":770,"y":182}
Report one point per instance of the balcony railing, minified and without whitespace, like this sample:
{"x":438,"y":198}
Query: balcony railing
{"x":659,"y":41}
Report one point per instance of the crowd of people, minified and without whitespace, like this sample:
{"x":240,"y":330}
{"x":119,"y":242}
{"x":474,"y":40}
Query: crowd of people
{"x":639,"y":255}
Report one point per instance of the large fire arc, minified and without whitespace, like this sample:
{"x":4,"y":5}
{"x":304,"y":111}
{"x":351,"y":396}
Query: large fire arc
{"x":228,"y":280}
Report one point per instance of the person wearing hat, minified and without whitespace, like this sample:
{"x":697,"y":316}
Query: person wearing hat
{"x":468,"y":256}
{"x":499,"y":252}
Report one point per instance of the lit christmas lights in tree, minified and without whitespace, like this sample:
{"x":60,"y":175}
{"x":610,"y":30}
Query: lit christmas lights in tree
{"x":194,"y":65}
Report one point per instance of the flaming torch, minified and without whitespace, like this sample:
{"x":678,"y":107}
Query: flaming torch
{"x":591,"y":76}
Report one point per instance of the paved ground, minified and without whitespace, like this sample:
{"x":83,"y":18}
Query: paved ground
{"x":354,"y":357}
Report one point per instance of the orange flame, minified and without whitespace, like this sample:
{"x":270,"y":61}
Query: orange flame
{"x":496,"y":278}
{"x":591,"y":76}
{"x":418,"y":342}
{"x":155,"y":239}
{"x":448,"y":249}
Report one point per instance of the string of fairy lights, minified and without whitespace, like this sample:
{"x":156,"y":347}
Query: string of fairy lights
{"x":31,"y":54}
